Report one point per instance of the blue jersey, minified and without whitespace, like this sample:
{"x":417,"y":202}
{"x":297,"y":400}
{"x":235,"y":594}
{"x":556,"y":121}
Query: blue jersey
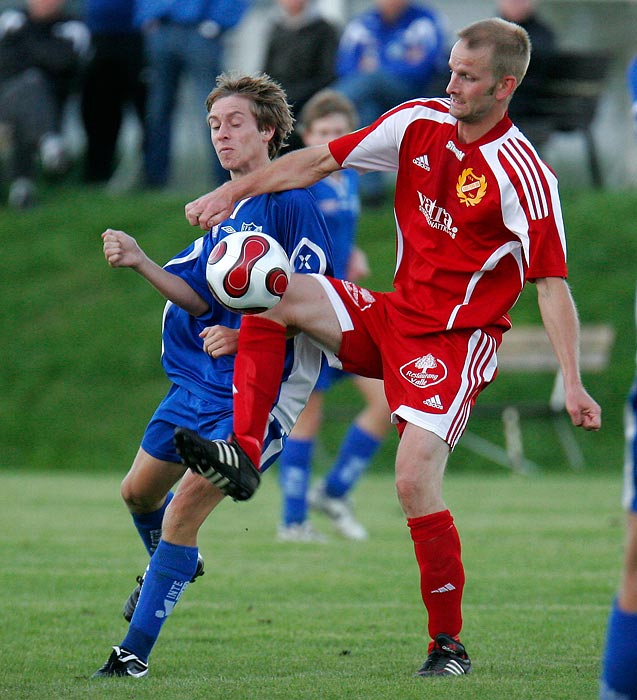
{"x":292,"y":218}
{"x":632,"y":86}
{"x":337,"y":198}
{"x":412,"y":48}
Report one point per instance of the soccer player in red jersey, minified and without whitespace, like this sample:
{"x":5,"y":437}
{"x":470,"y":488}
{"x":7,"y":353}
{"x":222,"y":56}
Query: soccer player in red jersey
{"x":477,"y":216}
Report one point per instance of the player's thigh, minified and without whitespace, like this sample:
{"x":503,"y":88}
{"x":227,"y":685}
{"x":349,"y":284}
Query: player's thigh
{"x":306,"y":306}
{"x":148,"y":481}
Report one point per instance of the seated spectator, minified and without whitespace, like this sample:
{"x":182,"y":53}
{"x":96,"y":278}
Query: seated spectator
{"x":387,"y":55}
{"x":113,"y":81}
{"x":524,"y":108}
{"x":301,"y":53}
{"x":42,"y":50}
{"x":181,"y":39}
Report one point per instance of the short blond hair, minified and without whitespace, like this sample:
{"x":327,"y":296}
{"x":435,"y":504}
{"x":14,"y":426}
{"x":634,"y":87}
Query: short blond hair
{"x":269,"y":104}
{"x":510,"y":44}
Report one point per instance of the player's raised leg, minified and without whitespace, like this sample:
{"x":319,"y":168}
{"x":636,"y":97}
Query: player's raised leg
{"x":233,"y":465}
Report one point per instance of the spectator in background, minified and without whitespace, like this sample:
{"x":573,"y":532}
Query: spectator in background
{"x":114,"y":80}
{"x":632,"y":87}
{"x":387,"y":55}
{"x":301,"y":53}
{"x":524,"y":110}
{"x":180,"y":38}
{"x":327,"y":116}
{"x":619,"y":664}
{"x":42,"y":52}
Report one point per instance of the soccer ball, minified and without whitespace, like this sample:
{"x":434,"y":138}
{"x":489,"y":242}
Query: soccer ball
{"x":248,"y":272}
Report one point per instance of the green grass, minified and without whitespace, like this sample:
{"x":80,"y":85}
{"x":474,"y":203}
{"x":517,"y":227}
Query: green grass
{"x":343,"y":620}
{"x":80,"y":372}
{"x":79,"y":377}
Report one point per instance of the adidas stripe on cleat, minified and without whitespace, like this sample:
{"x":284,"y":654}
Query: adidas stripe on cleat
{"x":122,"y":663}
{"x":447,"y":658}
{"x":222,"y":463}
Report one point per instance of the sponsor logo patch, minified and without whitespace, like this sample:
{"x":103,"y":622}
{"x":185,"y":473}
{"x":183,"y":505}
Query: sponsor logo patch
{"x":424,"y":371}
{"x":363,"y":298}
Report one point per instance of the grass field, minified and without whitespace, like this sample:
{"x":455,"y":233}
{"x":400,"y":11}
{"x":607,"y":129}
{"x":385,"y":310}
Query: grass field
{"x":79,"y":377}
{"x":343,"y":620}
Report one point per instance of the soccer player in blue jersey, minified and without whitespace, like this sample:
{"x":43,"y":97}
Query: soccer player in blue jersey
{"x":328,"y":115}
{"x":619,"y":665}
{"x":249,"y":121}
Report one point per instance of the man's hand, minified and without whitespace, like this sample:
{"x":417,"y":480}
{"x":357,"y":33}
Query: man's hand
{"x":584,"y":411}
{"x":210,"y":209}
{"x":220,"y":340}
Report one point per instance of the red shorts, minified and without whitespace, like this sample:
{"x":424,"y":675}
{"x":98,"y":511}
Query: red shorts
{"x":431,"y":380}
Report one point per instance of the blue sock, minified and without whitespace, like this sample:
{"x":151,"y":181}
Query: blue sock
{"x":149,"y":525}
{"x":170,"y":571}
{"x":619,"y":664}
{"x":356,"y":452}
{"x":295,"y":465}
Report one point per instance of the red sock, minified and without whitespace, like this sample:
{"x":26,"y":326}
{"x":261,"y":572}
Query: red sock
{"x":258,"y":370}
{"x":437,"y":548}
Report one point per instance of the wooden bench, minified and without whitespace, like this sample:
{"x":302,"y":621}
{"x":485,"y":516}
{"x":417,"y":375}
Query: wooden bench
{"x":527,"y":349}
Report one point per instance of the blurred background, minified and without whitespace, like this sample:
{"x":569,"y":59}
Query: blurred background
{"x":80,"y":371}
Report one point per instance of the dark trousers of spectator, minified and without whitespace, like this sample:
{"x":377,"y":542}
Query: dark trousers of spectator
{"x":114,"y":82}
{"x":172,"y":52}
{"x":30,"y":108}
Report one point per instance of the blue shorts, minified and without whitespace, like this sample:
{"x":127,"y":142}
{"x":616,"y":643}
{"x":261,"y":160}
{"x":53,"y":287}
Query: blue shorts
{"x":181,"y":408}
{"x":630,"y":452}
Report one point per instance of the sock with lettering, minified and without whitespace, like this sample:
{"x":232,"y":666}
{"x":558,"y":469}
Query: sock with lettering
{"x":170,"y":571}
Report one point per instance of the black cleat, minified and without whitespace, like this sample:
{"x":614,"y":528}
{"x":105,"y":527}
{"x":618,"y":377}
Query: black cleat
{"x":447,"y":658}
{"x":131,"y":602}
{"x":222,"y":463}
{"x":122,"y":663}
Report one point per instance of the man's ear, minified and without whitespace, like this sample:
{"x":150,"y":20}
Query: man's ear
{"x":505,"y":87}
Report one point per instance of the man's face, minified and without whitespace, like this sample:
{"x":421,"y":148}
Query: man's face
{"x":472,"y":84}
{"x":43,"y":9}
{"x":239,"y":144}
{"x":326,"y":129}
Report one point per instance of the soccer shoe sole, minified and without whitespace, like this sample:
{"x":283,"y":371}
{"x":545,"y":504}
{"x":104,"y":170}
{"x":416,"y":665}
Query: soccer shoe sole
{"x":224,"y":465}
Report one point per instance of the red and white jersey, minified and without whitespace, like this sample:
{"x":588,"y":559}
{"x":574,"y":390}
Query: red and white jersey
{"x":474,"y":221}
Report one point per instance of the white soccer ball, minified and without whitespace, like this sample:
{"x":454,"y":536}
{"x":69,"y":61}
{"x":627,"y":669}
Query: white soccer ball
{"x":248,"y":272}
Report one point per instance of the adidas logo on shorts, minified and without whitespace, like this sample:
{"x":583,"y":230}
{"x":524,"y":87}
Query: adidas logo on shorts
{"x":434,"y":402}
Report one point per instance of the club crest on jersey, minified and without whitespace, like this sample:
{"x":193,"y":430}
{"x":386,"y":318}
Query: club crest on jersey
{"x":251,"y":226}
{"x":471,"y":188}
{"x":363,"y":298}
{"x":424,"y":371}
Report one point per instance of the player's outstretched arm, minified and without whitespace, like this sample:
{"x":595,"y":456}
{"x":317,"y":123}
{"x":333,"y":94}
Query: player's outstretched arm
{"x":122,"y":250}
{"x":300,"y":168}
{"x":560,"y":319}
